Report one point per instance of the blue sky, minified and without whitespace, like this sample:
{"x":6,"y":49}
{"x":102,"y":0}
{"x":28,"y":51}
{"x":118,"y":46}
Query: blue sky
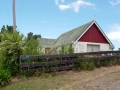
{"x":50,"y":18}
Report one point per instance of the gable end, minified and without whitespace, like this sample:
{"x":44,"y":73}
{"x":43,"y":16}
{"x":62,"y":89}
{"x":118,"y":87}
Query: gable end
{"x":93,"y":34}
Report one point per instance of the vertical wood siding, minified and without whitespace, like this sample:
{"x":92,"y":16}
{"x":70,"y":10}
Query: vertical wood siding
{"x":93,"y":35}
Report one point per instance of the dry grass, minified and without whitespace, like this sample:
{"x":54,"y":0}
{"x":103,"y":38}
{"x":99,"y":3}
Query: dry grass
{"x":70,"y":80}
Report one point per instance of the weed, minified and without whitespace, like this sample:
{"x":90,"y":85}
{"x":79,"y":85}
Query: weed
{"x":90,"y":66}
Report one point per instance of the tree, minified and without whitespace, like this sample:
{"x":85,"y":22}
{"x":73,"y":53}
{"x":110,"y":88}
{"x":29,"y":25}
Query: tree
{"x":36,"y":36}
{"x":70,"y":49}
{"x":31,"y":47}
{"x":63,"y":50}
{"x":7,"y":28}
{"x":29,"y":35}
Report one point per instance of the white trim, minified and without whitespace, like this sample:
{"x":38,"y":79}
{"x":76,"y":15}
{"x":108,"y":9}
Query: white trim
{"x":100,"y":31}
{"x":104,"y":35}
{"x":84,"y":32}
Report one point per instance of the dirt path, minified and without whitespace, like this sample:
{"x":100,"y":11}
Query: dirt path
{"x":106,"y":78}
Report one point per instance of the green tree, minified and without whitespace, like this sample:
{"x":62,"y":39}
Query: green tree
{"x":29,"y":35}
{"x":31,"y":47}
{"x":7,"y":28}
{"x":63,"y":50}
{"x":70,"y":49}
{"x":36,"y":36}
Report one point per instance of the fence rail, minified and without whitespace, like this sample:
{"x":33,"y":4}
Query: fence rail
{"x":59,"y":62}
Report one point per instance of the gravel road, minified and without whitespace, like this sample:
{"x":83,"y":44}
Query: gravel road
{"x":105,"y":78}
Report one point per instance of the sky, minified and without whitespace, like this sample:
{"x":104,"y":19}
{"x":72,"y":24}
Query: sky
{"x":51,"y":18}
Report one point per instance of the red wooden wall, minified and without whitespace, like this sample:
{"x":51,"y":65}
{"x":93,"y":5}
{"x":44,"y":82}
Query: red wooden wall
{"x":93,"y":35}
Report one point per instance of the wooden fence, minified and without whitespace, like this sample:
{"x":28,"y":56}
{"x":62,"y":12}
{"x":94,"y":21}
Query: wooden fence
{"x":60,"y":62}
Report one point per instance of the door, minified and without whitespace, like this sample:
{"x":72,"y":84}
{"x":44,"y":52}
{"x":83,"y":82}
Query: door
{"x":93,"y":48}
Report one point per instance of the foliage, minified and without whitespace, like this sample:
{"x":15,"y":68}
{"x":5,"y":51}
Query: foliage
{"x":70,"y":49}
{"x":11,"y":49}
{"x":90,"y":65}
{"x":118,"y":61}
{"x":36,"y":36}
{"x":30,"y":36}
{"x":107,"y":62}
{"x":4,"y":77}
{"x":31,"y":47}
{"x":81,"y":65}
{"x":85,"y":65}
{"x":65,"y":49}
{"x":8,"y":28}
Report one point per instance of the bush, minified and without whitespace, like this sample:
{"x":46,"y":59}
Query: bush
{"x":10,"y":51}
{"x":107,"y":62}
{"x":90,"y":66}
{"x":4,"y":77}
{"x":118,"y":61}
{"x":83,"y":65}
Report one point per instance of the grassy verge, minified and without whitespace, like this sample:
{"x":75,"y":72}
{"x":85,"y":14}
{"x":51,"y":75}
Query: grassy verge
{"x":63,"y":80}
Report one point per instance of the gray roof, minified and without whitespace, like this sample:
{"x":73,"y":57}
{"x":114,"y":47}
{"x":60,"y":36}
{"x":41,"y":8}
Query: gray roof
{"x":46,"y":42}
{"x":72,"y":35}
{"x":69,"y":37}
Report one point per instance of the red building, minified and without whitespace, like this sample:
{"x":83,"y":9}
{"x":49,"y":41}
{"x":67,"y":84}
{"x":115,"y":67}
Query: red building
{"x":86,"y":38}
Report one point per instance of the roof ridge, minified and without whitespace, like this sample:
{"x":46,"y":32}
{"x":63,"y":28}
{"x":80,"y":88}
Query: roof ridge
{"x":47,"y":38}
{"x":78,"y":27}
{"x":73,"y":34}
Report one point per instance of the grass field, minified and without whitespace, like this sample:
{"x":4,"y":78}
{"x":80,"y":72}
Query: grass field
{"x":68,"y":80}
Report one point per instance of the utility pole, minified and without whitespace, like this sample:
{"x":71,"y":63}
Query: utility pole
{"x":14,"y":16}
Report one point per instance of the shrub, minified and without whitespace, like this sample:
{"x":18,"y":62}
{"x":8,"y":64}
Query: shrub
{"x":97,"y":63}
{"x":70,"y":49}
{"x":107,"y":62}
{"x":84,"y":65}
{"x":4,"y":77}
{"x":81,"y":65}
{"x":63,"y":50}
{"x":31,"y":47}
{"x":90,"y":65}
{"x":118,"y":61}
{"x":10,"y":51}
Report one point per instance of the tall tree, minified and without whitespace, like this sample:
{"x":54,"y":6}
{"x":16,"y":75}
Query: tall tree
{"x":8,"y":28}
{"x":29,"y":35}
{"x":36,"y":36}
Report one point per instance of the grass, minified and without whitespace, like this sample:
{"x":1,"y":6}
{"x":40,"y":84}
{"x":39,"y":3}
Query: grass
{"x":45,"y":82}
{"x":62,"y":81}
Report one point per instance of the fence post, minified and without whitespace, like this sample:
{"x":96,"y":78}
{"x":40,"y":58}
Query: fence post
{"x":119,"y":52}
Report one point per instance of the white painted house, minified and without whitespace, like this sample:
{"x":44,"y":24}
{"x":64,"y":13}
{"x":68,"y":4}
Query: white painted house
{"x":86,"y":38}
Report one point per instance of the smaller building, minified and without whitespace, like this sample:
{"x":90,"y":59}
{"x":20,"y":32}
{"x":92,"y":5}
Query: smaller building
{"x":86,"y":38}
{"x":46,"y":44}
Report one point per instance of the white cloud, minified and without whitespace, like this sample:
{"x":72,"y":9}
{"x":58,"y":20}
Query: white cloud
{"x":74,"y":5}
{"x":114,"y":33}
{"x":63,"y":7}
{"x":113,"y":2}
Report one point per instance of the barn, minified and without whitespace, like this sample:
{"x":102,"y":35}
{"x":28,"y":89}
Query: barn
{"x":85,"y":38}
